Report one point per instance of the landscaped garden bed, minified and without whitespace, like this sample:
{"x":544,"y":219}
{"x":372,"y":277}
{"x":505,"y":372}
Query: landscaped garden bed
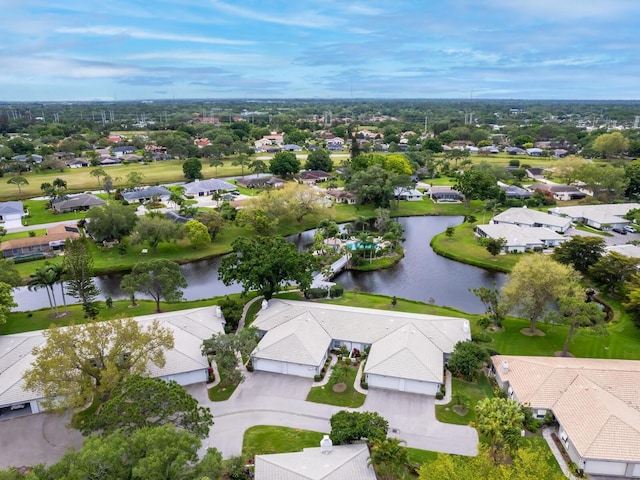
{"x":339,"y":390}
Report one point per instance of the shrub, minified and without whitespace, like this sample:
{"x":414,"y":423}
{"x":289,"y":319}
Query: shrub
{"x":470,"y":219}
{"x":249,"y":366}
{"x":336,"y":291}
{"x":317,"y":378}
{"x":232,"y":311}
{"x":315,"y":293}
{"x":484,"y":322}
{"x":466,"y":359}
{"x":439,"y":396}
{"x":530,"y":423}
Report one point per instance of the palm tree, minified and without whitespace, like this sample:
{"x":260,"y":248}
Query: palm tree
{"x":215,"y":162}
{"x":389,"y":458}
{"x":241,"y":161}
{"x":18,"y":181}
{"x":58,"y":270}
{"x":44,"y":277}
{"x":176,"y":196}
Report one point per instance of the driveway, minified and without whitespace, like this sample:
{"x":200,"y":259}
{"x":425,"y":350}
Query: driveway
{"x":616,"y":239}
{"x":274,"y":399}
{"x":31,"y":439}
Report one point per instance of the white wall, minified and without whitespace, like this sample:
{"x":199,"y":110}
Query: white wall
{"x":401,"y":384}
{"x":599,"y":467}
{"x":286,"y":368}
{"x":188,"y":378}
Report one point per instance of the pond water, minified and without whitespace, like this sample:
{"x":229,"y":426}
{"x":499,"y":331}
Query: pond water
{"x":422,"y":275}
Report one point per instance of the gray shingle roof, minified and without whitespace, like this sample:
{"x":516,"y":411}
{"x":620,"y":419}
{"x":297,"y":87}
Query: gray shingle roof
{"x":207,"y":186}
{"x":11,"y":208}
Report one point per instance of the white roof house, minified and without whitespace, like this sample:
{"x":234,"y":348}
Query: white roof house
{"x":11,"y":214}
{"x":628,"y":250}
{"x":525,"y":217}
{"x":184,"y":363}
{"x":596,"y":403}
{"x":342,"y":462}
{"x":521,"y":239}
{"x":410,"y":194}
{"x":203,"y":188}
{"x":145,"y":194}
{"x":597,"y":216}
{"x":407,"y":353}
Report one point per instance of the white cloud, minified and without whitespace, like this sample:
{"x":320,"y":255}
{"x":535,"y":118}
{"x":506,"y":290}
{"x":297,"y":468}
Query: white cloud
{"x":308,"y":19}
{"x":109,"y":31}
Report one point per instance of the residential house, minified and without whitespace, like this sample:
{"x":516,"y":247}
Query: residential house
{"x":74,"y":203}
{"x":291,"y":147}
{"x":34,"y":158}
{"x":537,"y":173}
{"x":407,"y":350}
{"x":116,"y":138}
{"x":11,"y":214}
{"x":335,"y":144}
{"x":206,"y":188}
{"x":521,"y":239}
{"x":184,"y":364}
{"x":560,"y":192}
{"x":595,"y":402}
{"x":409,"y":194}
{"x":260,"y":181}
{"x":123,"y":150}
{"x":516,"y":151}
{"x":525,"y":217}
{"x":313,"y":177}
{"x":602,"y":217}
{"x":628,"y":250}
{"x":78,"y":163}
{"x":52,"y":241}
{"x":560,"y":153}
{"x":326,"y":462}
{"x":110,"y":161}
{"x":490,"y":149}
{"x":342,"y":196}
{"x":512,"y":191}
{"x":143,"y":195}
{"x":444,"y":194}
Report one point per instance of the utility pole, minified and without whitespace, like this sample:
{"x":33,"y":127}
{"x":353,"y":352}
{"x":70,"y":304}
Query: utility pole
{"x":425,"y":124}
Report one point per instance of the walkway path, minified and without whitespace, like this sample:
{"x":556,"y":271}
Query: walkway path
{"x":447,"y":393}
{"x":546,"y":433}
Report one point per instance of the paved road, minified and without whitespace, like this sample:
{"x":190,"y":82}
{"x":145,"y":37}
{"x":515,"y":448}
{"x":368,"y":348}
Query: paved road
{"x":272,"y":399}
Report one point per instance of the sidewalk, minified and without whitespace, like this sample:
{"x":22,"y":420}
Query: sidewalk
{"x":546,"y":433}
{"x":447,"y":394}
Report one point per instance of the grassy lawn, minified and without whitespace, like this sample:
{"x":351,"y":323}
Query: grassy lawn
{"x":267,"y":439}
{"x":463,"y":247}
{"x":252,"y":312}
{"x":584,"y":228}
{"x":12,"y":236}
{"x":18,"y":322}
{"x":348,"y":398}
{"x":421,"y":456}
{"x":381,"y":262}
{"x":222,"y":391}
{"x":38,"y":213}
{"x":472,"y":392}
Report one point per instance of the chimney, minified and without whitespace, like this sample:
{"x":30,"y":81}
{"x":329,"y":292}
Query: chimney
{"x":326,"y":445}
{"x":505,"y":366}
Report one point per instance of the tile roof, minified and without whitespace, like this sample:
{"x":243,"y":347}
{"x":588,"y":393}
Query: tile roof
{"x":519,"y":236}
{"x":147,"y":192}
{"x":57,"y":234}
{"x":608,"y":213}
{"x":76,"y":201}
{"x":597,"y":401}
{"x":189,"y":327}
{"x":527,"y":216}
{"x":207,"y":185}
{"x":344,"y":462}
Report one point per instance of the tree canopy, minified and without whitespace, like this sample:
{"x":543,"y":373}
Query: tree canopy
{"x":500,"y":420}
{"x":466,"y":359}
{"x":159,"y":278}
{"x":78,"y":363}
{"x":476,"y":184}
{"x":266,"y":265}
{"x":154,"y":229}
{"x":349,"y":427}
{"x":112,"y":221}
{"x":581,"y":252}
{"x":78,"y":263}
{"x":192,"y":169}
{"x":319,"y":160}
{"x":139,"y":402}
{"x":534,"y":284}
{"x":6,"y":301}
{"x":284,"y":164}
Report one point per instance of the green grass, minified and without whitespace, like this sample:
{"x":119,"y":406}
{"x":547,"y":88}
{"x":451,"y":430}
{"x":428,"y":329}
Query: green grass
{"x":348,"y":398}
{"x":463,"y":247}
{"x":18,"y":322}
{"x":39,"y":213}
{"x":380,"y":263}
{"x":12,"y":236}
{"x":252,"y":312}
{"x":584,"y":228}
{"x":222,"y":391}
{"x":421,"y":456}
{"x":268,"y":439}
{"x":472,"y":392}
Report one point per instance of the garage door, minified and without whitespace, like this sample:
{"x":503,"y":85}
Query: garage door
{"x":267,"y":365}
{"x":595,"y":467}
{"x":636,"y":470}
{"x":380,"y":381}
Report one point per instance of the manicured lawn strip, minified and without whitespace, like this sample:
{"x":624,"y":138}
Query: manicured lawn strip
{"x":252,"y":312}
{"x":13,"y":236}
{"x":381,"y":262}
{"x":537,"y":442}
{"x":593,"y":230}
{"x":222,"y":391}
{"x":473,"y":393}
{"x":463,"y":247}
{"x":38,"y":213}
{"x":268,"y":439}
{"x":421,"y":456}
{"x":348,"y":398}
{"x":18,"y":322}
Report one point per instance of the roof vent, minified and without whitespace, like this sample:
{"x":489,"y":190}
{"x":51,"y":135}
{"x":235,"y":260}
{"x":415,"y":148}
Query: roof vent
{"x":326,"y":445}
{"x":505,"y":366}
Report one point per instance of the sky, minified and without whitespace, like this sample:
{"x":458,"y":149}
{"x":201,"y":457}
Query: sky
{"x":80,"y":50}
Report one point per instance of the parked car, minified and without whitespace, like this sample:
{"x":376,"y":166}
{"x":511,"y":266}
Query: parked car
{"x":630,"y":229}
{"x":621,"y":231}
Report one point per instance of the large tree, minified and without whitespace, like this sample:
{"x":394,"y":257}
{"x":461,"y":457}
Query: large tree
{"x":266,"y":265}
{"x":373,"y":185}
{"x":302,"y":200}
{"x":319,"y":160}
{"x":284,"y":164}
{"x":613,"y":270}
{"x":197,"y":233}
{"x":155,"y":229}
{"x":466,"y":359}
{"x":213,"y":220}
{"x":533,"y":287}
{"x":576,"y":309}
{"x":159,"y":278}
{"x":139,"y":402}
{"x":8,"y":273}
{"x":112,"y":221}
{"x":389,"y":458}
{"x":151,"y":453}
{"x":192,"y":169}
{"x":476,"y":184}
{"x":606,"y":181}
{"x":581,"y":252}
{"x":6,"y":301}
{"x":82,"y":363}
{"x":611,"y":144}
{"x":18,"y":181}
{"x":79,"y":267}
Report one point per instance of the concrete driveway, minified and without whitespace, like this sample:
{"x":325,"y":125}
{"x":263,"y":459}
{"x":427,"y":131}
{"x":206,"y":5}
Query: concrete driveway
{"x":32,"y":439}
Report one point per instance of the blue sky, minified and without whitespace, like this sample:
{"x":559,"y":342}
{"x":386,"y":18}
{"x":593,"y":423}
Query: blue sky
{"x":526,"y":49}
